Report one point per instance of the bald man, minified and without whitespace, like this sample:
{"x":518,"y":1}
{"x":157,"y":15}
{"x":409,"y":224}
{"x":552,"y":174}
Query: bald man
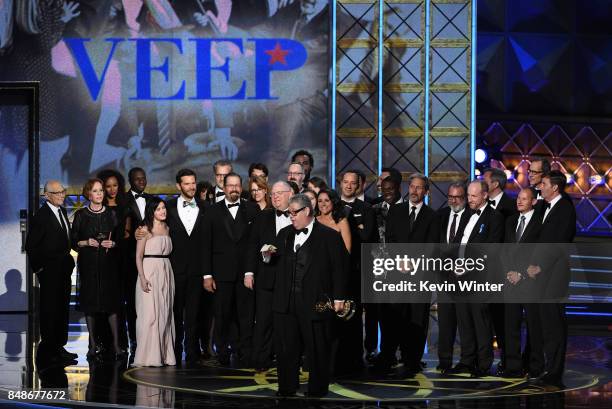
{"x":48,"y":249}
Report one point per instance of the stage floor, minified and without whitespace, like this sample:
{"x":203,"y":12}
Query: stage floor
{"x":588,"y":382}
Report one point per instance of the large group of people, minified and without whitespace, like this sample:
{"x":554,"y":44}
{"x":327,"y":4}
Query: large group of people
{"x":235,"y":275}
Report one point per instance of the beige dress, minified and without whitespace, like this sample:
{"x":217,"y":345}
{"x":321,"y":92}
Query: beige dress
{"x":155,"y":320}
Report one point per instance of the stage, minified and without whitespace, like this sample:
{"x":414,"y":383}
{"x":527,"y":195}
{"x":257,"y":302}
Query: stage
{"x":588,"y":381}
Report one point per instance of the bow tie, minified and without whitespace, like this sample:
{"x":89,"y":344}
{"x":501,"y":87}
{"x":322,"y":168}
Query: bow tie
{"x":230,"y":205}
{"x":280,"y":213}
{"x":219,"y":194}
{"x":547,"y":205}
{"x":304,"y":230}
{"x":192,"y":203}
{"x":491,"y":202}
{"x":478,"y":212}
{"x":345,"y":203}
{"x":138,"y":196}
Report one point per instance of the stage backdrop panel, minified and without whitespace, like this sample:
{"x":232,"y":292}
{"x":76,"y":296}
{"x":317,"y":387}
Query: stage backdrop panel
{"x":165,"y":85}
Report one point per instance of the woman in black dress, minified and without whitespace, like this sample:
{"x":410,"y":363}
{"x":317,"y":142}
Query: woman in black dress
{"x":95,"y":230}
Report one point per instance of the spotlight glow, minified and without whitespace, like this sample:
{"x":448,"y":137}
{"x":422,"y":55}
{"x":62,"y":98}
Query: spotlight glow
{"x":480,"y":155}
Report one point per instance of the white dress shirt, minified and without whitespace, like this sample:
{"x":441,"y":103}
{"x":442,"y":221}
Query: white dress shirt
{"x":187,"y":214}
{"x":141,"y":202}
{"x":451,"y":216}
{"x":56,"y":211}
{"x":301,"y":238}
{"x":552,"y":204}
{"x":496,"y":199}
{"x":282,"y":221}
{"x":471,"y":224}
{"x":234,"y":209}
{"x":219,"y":198}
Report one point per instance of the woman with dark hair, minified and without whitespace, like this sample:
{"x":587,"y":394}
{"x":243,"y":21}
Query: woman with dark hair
{"x":258,"y":192}
{"x":316,"y":184}
{"x":95,"y":230}
{"x":205,"y":191}
{"x":115,"y":199}
{"x":331,"y":214}
{"x":312,"y":195}
{"x":154,"y":290}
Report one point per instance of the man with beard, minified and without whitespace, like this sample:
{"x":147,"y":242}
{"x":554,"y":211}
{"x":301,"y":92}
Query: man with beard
{"x":260,"y":275}
{"x":305,"y":159}
{"x":227,"y":228}
{"x":296,"y":174}
{"x":185,"y":215}
{"x":406,"y":324}
{"x":453,"y":219}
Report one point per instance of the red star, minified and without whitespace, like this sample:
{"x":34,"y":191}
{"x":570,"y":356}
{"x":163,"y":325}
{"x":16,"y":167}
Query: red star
{"x":277,"y":54}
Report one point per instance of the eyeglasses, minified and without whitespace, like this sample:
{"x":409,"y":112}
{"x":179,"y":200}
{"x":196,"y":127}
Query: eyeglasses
{"x":280,"y":192}
{"x":61,"y":192}
{"x":257,"y":190}
{"x":295,"y":212}
{"x":537,"y":172}
{"x":294,"y":173}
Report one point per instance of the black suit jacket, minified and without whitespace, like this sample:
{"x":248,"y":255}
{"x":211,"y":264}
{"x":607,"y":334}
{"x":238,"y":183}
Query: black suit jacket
{"x":489,"y":228}
{"x":226,"y":240}
{"x":360,"y":212}
{"x":506,"y":206}
{"x":326,"y":271}
{"x":47,"y":245}
{"x":558,"y":227}
{"x":426,"y":228}
{"x":185,"y":247}
{"x":133,"y":211}
{"x":443,"y":215}
{"x":263,"y":232}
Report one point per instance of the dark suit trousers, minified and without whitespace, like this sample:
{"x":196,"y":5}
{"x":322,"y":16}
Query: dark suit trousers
{"x":475,"y":333}
{"x":206,"y":320}
{"x":512,"y":342}
{"x":405,"y":326}
{"x":234,"y":302}
{"x":497,"y":320}
{"x":54,"y":309}
{"x":293,"y":332}
{"x":554,"y":335}
{"x":371,"y":327}
{"x":262,"y":338}
{"x":447,"y":331}
{"x":187,"y":297}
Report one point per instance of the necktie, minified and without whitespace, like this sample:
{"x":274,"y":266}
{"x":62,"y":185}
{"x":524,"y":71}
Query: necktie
{"x":62,"y":222}
{"x":304,"y":230}
{"x":191,"y":204}
{"x":280,"y":213}
{"x":453,"y":227}
{"x":412,"y":217}
{"x":521,"y":227}
{"x":230,"y":205}
{"x":219,"y":194}
{"x":491,"y":202}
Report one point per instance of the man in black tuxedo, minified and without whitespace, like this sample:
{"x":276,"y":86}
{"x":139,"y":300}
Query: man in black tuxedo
{"x":453,"y":219}
{"x":362,"y":222}
{"x":485,"y":225}
{"x":538,"y":167}
{"x":221,"y":168}
{"x":553,"y":274}
{"x":311,"y":268}
{"x":136,"y":201}
{"x":385,"y":173}
{"x":185,"y":215}
{"x":405,"y":325}
{"x":304,"y":158}
{"x":391,"y":195}
{"x":48,"y":249}
{"x":496,"y":180}
{"x":523,"y":227}
{"x":499,"y":200}
{"x":260,"y":275}
{"x":227,"y":228}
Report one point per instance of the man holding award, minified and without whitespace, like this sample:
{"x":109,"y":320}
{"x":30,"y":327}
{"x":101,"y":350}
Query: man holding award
{"x":312,"y":268}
